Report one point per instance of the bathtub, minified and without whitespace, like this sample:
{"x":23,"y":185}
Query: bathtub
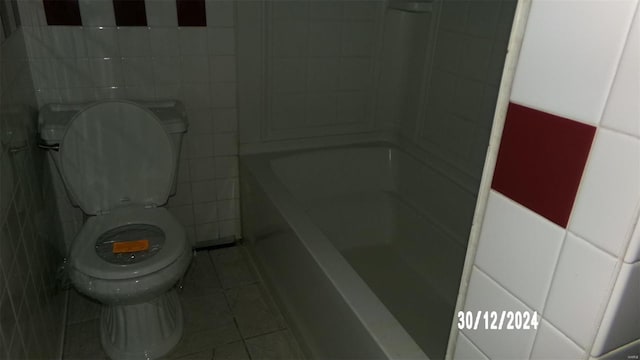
{"x":362,"y":245}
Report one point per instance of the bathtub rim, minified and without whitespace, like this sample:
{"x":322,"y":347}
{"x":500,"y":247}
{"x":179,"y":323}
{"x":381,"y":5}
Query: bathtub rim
{"x":392,"y":338}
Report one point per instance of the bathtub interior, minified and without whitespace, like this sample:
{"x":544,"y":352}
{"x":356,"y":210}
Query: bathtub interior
{"x":395,"y":221}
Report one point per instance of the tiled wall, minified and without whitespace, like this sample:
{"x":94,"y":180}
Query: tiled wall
{"x":174,"y":56}
{"x":307,"y":68}
{"x":560,"y":235}
{"x":312,"y":68}
{"x":464,"y":74}
{"x":321,"y":64}
{"x":31,"y":306}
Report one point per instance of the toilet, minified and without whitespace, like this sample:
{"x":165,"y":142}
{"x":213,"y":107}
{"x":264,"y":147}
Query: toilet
{"x":118,"y":161}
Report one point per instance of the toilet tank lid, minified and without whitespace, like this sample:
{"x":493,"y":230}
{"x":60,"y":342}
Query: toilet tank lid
{"x":53,"y":118}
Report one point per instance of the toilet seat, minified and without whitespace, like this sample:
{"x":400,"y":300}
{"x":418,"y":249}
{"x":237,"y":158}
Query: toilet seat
{"x":85,"y":259}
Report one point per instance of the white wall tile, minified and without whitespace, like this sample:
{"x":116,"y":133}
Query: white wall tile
{"x":222,"y":68}
{"x":164,"y":42}
{"x":222,"y":41}
{"x":161,"y":13}
{"x":465,"y":350}
{"x":323,"y":73}
{"x":223,"y":94}
{"x":191,"y":234}
{"x":73,"y":72}
{"x":205,"y":212}
{"x":77,"y":95}
{"x":358,"y":38}
{"x":134,"y":41}
{"x":326,"y":10}
{"x":101,"y":42}
{"x":226,"y":166}
{"x":352,"y":106}
{"x":109,"y":92}
{"x":514,"y":240}
{"x":31,"y":13}
{"x":34,"y":39}
{"x":609,"y":195}
{"x":183,"y":172}
{"x":228,"y":209}
{"x":97,"y":12}
{"x":168,"y":91}
{"x":290,"y":38}
{"x":551,"y":343}
{"x":289,"y":74}
{"x":324,"y":38}
{"x":199,"y":145}
{"x":183,"y":195}
{"x":622,"y":110}
{"x":225,"y":120}
{"x":225,"y":144}
{"x":65,"y":41}
{"x":633,"y":251}
{"x":47,"y":96}
{"x":208,"y":231}
{"x":228,"y":228}
{"x":192,"y":41}
{"x":140,"y":92}
{"x":355,"y":73}
{"x":568,"y":61}
{"x":621,"y":322}
{"x":194,"y":69}
{"x":202,"y":169}
{"x":198,"y":95}
{"x":321,"y":109}
{"x":43,"y":74}
{"x":200,"y":121}
{"x":220,"y":12}
{"x":184,"y":214}
{"x":165,"y":70}
{"x":580,"y":287}
{"x":485,"y":294}
{"x":228,"y":188}
{"x":204,"y":191}
{"x":137,"y":71}
{"x":106,"y":72}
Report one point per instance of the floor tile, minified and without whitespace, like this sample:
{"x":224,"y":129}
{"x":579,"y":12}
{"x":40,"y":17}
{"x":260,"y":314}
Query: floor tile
{"x":81,"y":308}
{"x":197,"y":341}
{"x":200,"y":355}
{"x":277,"y":345}
{"x":252,"y":313}
{"x":201,"y":278}
{"x":233,"y":267}
{"x":83,"y":341}
{"x":233,"y":351}
{"x":221,"y":299}
{"x":206,"y":312}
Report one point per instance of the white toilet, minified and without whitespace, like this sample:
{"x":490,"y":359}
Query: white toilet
{"x":118,"y":161}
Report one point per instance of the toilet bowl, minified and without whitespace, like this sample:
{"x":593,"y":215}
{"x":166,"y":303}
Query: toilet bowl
{"x":118,"y":163}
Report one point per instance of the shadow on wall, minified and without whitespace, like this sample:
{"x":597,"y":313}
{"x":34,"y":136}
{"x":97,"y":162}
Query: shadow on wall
{"x":31,"y":302}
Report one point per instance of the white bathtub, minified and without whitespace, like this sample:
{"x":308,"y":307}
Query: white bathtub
{"x":362,"y":245}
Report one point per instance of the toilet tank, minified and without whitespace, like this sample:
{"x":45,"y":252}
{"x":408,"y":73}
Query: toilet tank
{"x":53,"y":120}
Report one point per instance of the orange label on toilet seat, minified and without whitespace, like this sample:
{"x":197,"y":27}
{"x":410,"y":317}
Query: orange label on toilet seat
{"x":130,"y":246}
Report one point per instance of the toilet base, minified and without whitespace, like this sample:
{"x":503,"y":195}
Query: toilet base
{"x":142,"y":331}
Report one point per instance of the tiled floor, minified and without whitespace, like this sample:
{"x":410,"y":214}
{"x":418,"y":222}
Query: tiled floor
{"x":228,"y":315}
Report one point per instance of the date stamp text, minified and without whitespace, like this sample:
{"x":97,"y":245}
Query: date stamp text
{"x":498,"y":320}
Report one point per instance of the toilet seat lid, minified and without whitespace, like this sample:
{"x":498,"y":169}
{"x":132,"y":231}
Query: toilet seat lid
{"x":115,"y":153}
{"x":84,"y":255}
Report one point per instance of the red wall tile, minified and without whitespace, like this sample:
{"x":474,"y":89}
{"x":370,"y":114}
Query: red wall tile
{"x":541,"y":160}
{"x":191,"y":13}
{"x":62,"y":12}
{"x":130,"y":12}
